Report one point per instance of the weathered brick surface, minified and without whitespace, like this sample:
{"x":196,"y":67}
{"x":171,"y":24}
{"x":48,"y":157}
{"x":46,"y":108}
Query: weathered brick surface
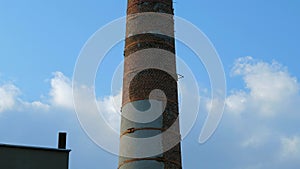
{"x":142,"y":83}
{"x":148,"y":40}
{"x":140,"y":87}
{"x":139,"y":6}
{"x":147,"y":80}
{"x":173,"y":155}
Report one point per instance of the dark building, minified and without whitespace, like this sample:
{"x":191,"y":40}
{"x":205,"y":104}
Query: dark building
{"x":149,"y":68}
{"x":26,"y":157}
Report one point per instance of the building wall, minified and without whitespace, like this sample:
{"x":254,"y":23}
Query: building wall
{"x":33,"y":158}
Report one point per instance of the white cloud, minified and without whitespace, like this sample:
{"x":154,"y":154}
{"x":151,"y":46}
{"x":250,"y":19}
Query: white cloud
{"x":61,"y":96}
{"x":61,"y":91}
{"x":236,"y":102}
{"x":263,"y":111}
{"x":8,"y":96}
{"x":290,"y":147}
{"x":35,"y":105}
{"x":257,"y":139}
{"x":110,"y":107}
{"x":10,"y":100}
{"x":269,"y":88}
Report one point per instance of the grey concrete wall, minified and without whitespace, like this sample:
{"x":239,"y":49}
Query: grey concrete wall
{"x":33,"y":158}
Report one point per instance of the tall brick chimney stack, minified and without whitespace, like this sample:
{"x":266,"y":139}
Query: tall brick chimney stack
{"x":150,"y":86}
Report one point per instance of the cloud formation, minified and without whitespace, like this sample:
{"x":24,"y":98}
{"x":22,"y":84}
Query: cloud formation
{"x":10,"y":100}
{"x":110,"y":107}
{"x":290,"y":147}
{"x":8,"y":96}
{"x":61,"y":91}
{"x":257,"y":122}
{"x":263,"y":113}
{"x":62,"y":97}
{"x":269,"y":88}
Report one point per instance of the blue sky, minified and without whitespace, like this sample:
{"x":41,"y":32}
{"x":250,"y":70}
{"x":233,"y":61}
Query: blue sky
{"x":257,"y":42}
